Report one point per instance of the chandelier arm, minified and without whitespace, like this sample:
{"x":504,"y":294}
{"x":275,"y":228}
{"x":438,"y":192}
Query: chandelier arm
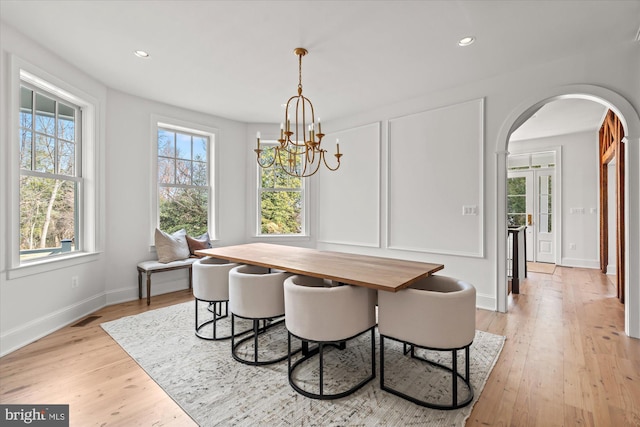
{"x":297,"y":120}
{"x":327,"y":165}
{"x":278,"y":160}
{"x":305,"y":164}
{"x":293,"y":150}
{"x":261,"y":164}
{"x":313,"y":115}
{"x":315,"y":170}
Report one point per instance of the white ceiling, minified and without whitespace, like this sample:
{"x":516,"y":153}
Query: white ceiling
{"x":234,"y":58}
{"x":562,"y":117}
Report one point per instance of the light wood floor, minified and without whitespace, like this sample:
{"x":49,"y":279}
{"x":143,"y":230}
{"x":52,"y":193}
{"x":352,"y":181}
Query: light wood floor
{"x":566,"y":361}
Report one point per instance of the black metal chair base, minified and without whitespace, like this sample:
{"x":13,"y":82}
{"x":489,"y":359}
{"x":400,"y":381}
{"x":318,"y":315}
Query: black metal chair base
{"x":319,"y":351}
{"x":215,"y":307}
{"x":453,"y":370}
{"x":267,"y":323}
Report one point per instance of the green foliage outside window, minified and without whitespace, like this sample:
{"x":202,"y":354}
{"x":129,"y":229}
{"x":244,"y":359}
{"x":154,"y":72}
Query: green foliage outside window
{"x":281,"y":199}
{"x":186,"y":209}
{"x":183,"y":184}
{"x":516,"y":202}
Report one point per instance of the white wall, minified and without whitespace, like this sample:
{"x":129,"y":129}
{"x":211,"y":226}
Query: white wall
{"x":129,"y":171}
{"x":580,"y":187}
{"x":36,"y":304}
{"x":503,"y":95}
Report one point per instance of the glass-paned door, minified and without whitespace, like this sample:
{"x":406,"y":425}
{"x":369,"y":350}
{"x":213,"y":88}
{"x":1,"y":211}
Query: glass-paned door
{"x":530,"y":203}
{"x":520,"y":204}
{"x":544,"y":211}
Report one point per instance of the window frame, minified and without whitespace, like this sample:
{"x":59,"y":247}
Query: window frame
{"x":162,"y":122}
{"x":76,"y":177}
{"x":91,"y":222}
{"x":260,"y":190}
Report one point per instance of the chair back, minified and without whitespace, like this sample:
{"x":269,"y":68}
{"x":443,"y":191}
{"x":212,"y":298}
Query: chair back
{"x":211,"y":279}
{"x":436,"y":312}
{"x":255,"y":292}
{"x":321,"y":310}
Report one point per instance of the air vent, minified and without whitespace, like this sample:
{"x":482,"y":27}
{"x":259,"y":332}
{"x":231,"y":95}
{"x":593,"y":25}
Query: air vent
{"x":86,"y":321}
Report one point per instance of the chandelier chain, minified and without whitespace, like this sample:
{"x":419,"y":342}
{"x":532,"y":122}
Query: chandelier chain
{"x":300,"y":72}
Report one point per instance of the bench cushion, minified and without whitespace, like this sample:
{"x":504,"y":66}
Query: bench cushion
{"x":157,"y":265}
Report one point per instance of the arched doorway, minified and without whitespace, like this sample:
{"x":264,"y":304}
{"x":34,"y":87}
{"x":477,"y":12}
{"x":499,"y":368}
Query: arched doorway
{"x":631,"y":123}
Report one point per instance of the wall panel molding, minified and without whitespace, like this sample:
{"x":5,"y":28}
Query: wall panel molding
{"x":426,"y":195}
{"x":349,"y":199}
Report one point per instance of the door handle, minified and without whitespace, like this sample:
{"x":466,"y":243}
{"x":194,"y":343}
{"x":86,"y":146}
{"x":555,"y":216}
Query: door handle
{"x":529,"y":219}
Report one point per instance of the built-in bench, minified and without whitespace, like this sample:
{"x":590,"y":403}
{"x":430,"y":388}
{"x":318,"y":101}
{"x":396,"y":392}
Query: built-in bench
{"x":154,"y":266}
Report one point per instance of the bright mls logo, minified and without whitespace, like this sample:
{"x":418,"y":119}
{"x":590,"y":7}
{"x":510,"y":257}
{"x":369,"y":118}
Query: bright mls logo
{"x":34,"y":415}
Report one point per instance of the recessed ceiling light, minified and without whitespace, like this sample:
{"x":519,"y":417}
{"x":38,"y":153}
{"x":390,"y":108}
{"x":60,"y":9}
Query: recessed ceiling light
{"x":141,"y":54}
{"x":466,"y":41}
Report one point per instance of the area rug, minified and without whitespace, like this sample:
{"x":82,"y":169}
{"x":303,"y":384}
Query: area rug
{"x":214,"y":389}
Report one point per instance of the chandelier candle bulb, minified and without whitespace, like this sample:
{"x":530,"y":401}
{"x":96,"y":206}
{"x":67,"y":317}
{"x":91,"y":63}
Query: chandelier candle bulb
{"x":258,"y":140}
{"x":337,"y":146}
{"x":319,"y":128}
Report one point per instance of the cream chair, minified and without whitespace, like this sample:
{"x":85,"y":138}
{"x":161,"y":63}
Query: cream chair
{"x":255,"y":293}
{"x":320,"y":312}
{"x":211,"y":285}
{"x":435,"y":313}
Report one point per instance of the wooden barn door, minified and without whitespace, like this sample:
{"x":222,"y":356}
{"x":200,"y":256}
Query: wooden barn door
{"x":612,"y":150}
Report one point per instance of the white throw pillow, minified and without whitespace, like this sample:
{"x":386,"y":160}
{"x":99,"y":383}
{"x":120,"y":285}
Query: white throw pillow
{"x":171,"y":247}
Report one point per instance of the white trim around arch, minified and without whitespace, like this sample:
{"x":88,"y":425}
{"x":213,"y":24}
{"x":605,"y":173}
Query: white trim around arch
{"x":631,"y":123}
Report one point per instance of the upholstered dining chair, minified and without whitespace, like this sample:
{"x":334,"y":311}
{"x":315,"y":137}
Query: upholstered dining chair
{"x":256,"y":293}
{"x":435,"y":313}
{"x":211,"y":285}
{"x":326,"y":314}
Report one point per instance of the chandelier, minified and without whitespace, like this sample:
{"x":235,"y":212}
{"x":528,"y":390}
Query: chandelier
{"x":299,"y":153}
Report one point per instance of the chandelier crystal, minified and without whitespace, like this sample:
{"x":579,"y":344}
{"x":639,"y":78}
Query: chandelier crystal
{"x":299,"y":153}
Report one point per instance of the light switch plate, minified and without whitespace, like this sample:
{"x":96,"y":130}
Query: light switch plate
{"x":469,"y":210}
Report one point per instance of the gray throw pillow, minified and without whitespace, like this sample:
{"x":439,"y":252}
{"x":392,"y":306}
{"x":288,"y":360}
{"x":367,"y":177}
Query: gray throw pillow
{"x":197,"y":243}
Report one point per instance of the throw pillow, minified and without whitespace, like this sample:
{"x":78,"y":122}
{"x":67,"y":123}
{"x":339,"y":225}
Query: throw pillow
{"x":197,"y":243}
{"x":171,"y":247}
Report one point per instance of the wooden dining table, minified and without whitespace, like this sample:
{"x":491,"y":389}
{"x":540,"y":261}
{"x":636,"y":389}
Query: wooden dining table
{"x":387,"y":274}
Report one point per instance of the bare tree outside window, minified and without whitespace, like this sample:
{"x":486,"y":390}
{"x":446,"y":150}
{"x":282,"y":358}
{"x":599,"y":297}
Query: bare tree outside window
{"x":49,"y":175}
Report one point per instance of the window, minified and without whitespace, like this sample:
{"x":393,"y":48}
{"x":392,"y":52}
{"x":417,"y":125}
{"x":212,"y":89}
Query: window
{"x":51,"y":178}
{"x":281,"y":199}
{"x":184,"y":190}
{"x":56,"y":172}
{"x":516,"y":201}
{"x":543,"y":159}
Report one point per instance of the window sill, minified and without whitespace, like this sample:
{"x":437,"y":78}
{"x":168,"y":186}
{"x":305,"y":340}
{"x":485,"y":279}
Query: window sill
{"x":282,"y":237}
{"x":44,"y":266}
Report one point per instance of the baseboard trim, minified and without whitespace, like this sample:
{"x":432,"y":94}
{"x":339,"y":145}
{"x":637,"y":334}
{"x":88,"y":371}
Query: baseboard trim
{"x":577,"y":262}
{"x":25,"y":334}
{"x":486,"y":302}
{"x":118,"y":296}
